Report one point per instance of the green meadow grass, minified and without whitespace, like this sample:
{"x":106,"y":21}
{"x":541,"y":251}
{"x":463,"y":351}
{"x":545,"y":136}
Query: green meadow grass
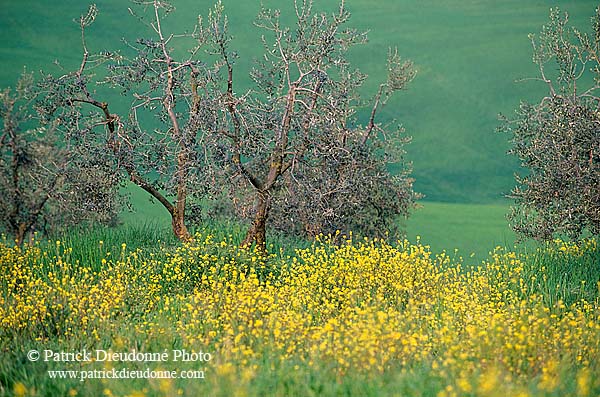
{"x":467,"y":230}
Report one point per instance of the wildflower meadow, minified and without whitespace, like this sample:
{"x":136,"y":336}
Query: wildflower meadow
{"x":344,"y":316}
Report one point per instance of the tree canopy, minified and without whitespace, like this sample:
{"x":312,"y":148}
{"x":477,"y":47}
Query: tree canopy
{"x":558,"y":138}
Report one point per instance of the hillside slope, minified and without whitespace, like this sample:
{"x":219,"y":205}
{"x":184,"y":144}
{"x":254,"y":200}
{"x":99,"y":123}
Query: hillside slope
{"x":468,"y":52}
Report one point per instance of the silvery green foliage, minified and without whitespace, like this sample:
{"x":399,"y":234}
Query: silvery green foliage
{"x":558,"y":138}
{"x":45,"y":184}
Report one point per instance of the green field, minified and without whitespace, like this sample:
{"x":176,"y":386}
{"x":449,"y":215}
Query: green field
{"x":472,"y":229}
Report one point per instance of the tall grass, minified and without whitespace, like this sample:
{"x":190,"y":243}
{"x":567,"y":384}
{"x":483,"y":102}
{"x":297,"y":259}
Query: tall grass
{"x":564,"y":272}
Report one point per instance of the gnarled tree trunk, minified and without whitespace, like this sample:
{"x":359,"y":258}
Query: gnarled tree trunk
{"x":257,"y":233}
{"x":178,"y":224}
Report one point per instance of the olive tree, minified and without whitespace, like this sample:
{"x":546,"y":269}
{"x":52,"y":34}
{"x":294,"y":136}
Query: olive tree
{"x":297,"y":154}
{"x":153,"y":137}
{"x":558,"y":138}
{"x":44,"y":185}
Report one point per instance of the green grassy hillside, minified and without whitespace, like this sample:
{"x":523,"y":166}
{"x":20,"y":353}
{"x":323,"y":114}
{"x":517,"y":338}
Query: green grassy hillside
{"x":473,"y":230}
{"x":469,"y":53}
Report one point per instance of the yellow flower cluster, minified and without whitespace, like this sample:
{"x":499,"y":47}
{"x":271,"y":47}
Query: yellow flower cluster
{"x":575,"y":249}
{"x":369,"y":306}
{"x":45,"y":296}
{"x":351,"y":307}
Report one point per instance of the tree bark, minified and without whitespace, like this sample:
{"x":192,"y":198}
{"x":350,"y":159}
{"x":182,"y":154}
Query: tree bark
{"x":20,"y":233}
{"x":258,"y":230}
{"x":179,"y":228}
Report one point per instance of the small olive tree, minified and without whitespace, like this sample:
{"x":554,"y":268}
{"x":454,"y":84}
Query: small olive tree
{"x":558,"y":138}
{"x":44,"y":185}
{"x":294,"y":151}
{"x":153,"y":139}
